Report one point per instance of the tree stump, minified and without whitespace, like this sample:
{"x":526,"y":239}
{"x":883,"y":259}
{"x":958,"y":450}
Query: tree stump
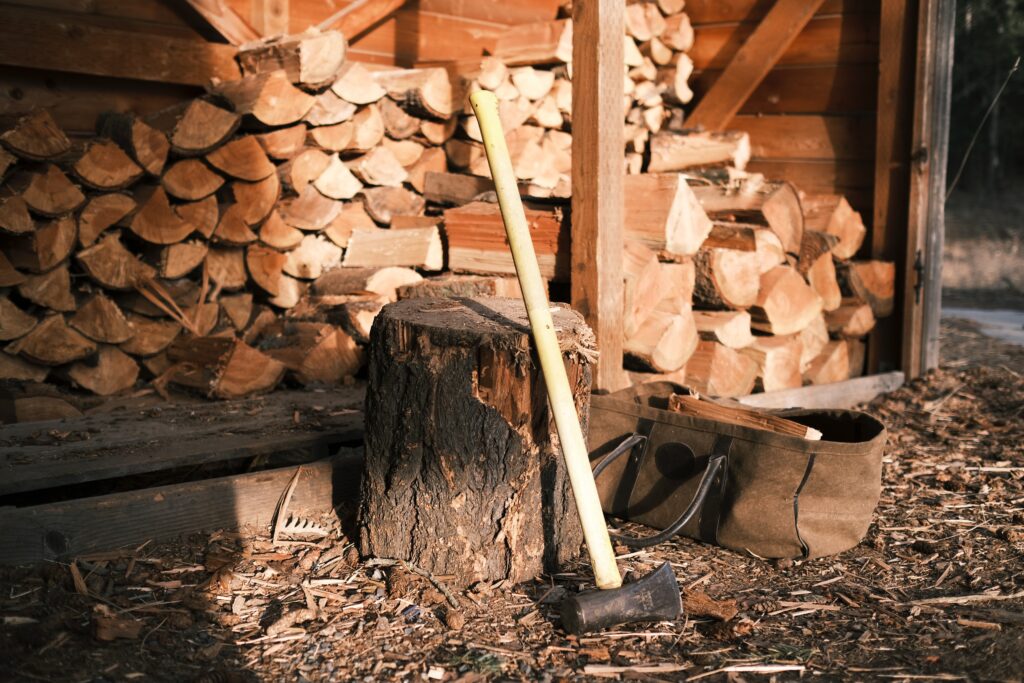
{"x":463,"y":476}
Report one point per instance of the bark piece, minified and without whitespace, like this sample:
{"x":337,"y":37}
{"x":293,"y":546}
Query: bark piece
{"x":871,"y":281}
{"x":778,"y":361}
{"x":664,"y":213}
{"x":528,"y":507}
{"x":14,"y":216}
{"x":101,"y":320}
{"x":110,"y":264}
{"x":337,"y":181}
{"x":157,"y":222}
{"x":356,"y":85}
{"x":455,"y":189}
{"x":51,"y":290}
{"x":110,"y":372}
{"x":413,"y":247}
{"x":425,"y":91}
{"x":277,"y":234}
{"x":36,"y":136}
{"x":202,"y":127}
{"x":105,"y":166}
{"x":100,"y":213}
{"x":50,"y":193}
{"x":382,"y":281}
{"x":701,"y":604}
{"x":226,"y":267}
{"x":786,"y":304}
{"x":52,"y":342}
{"x":717,"y":370}
{"x":384,"y":202}
{"x":674,"y":152}
{"x":220,"y":367}
{"x":146,"y":145}
{"x":191,"y":180}
{"x":283,"y":143}
{"x":242,"y":158}
{"x":151,"y":336}
{"x":14,"y":322}
{"x":729,"y":328}
{"x":831,"y":365}
{"x":270,"y":98}
{"x":312,"y":257}
{"x":178,"y":260}
{"x":726,"y":278}
{"x":853,"y":319}
{"x":312,"y":59}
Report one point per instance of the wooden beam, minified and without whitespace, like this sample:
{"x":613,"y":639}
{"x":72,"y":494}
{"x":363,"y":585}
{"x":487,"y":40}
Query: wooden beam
{"x":597,"y":179}
{"x":79,"y":44}
{"x":836,"y":395}
{"x":103,"y":523}
{"x":229,"y":23}
{"x":359,"y":16}
{"x":752,"y":62}
{"x":269,"y":17}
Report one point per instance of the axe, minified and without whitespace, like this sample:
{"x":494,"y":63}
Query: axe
{"x":654,"y":597}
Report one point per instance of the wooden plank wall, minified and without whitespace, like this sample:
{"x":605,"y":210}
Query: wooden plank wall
{"x":812,"y":120}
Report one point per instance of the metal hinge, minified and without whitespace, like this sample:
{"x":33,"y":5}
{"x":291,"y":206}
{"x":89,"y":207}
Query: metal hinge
{"x":919,"y":271}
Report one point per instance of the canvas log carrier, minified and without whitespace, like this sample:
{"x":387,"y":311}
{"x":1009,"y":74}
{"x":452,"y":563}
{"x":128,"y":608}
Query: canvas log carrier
{"x":771,"y":495}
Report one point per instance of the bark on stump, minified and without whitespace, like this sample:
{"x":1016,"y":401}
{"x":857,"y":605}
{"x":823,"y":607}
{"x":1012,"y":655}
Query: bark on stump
{"x":463,"y":476}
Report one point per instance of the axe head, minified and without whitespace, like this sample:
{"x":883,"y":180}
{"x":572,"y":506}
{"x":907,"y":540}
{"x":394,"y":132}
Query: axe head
{"x":654,"y":597}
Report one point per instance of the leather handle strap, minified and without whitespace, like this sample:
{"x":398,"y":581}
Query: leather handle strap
{"x":715,"y":470}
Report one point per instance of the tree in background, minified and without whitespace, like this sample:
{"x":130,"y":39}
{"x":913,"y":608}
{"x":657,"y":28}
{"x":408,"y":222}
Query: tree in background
{"x":989,"y":38}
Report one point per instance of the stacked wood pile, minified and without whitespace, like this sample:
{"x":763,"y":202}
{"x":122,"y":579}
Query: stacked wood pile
{"x":254,"y":234}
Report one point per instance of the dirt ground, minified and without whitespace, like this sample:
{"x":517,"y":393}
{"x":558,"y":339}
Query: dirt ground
{"x":934,"y":592}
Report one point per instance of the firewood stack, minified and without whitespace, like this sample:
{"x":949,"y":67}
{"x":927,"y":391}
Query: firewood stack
{"x":254,"y":234}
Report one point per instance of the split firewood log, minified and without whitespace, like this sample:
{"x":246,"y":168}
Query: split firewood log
{"x":726,"y":278}
{"x":111,"y":265}
{"x":102,"y":321}
{"x":312,"y":59}
{"x":774,"y":204}
{"x":305,"y":167}
{"x":640,"y":289}
{"x":156,"y":221}
{"x":873,"y":282}
{"x":256,"y":199}
{"x":146,"y":145}
{"x":45,"y":248}
{"x":151,"y":335}
{"x":270,"y":98}
{"x":15,"y":368}
{"x":49,"y":192}
{"x":14,"y":322}
{"x":428,"y":92}
{"x":785,"y":304}
{"x":182,"y":292}
{"x":191,"y":180}
{"x":413,"y":247}
{"x":51,"y":290}
{"x":813,"y":339}
{"x":674,"y":152}
{"x":664,"y":213}
{"x":455,"y":189}
{"x":203,"y":215}
{"x":238,"y":310}
{"x":178,"y":260}
{"x":676,"y":83}
{"x":221,"y":367}
{"x":329,"y":110}
{"x":832,"y":214}
{"x":438,"y":132}
{"x":242,"y":158}
{"x":109,"y":372}
{"x":381,"y":281}
{"x":105,"y":166}
{"x":678,"y":33}
{"x":202,"y":127}
{"x":462,"y":286}
{"x":717,"y":370}
{"x":14,"y":216}
{"x":352,"y":217}
{"x":311,"y":210}
{"x":367,"y":129}
{"x":356,"y":85}
{"x":729,"y":328}
{"x":232,"y":229}
{"x":290,"y":292}
{"x":226,"y":267}
{"x":355,"y":314}
{"x":336,"y":181}
{"x":476,"y":241}
{"x":277,"y":234}
{"x":380,"y":167}
{"x":283,"y":143}
{"x":317,"y":353}
{"x":7,"y":161}
{"x":333,"y":138}
{"x":431,"y":160}
{"x":831,"y":365}
{"x":312,"y":257}
{"x":398,"y":123}
{"x":856,"y":353}
{"x":52,"y":342}
{"x":548,"y":42}
{"x":853,"y":319}
{"x":778,"y":362}
{"x":667,"y":337}
{"x":36,"y":136}
{"x":266,"y":267}
{"x":9,"y":277}
{"x":384,"y":202}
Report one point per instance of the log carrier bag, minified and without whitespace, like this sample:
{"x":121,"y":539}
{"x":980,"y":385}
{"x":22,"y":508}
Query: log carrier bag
{"x":772,"y":495}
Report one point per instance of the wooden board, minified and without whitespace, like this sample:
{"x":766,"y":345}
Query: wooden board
{"x":103,"y":523}
{"x":807,"y":90}
{"x":808,"y":136}
{"x":720,"y":11}
{"x":838,"y":395}
{"x":185,"y":433}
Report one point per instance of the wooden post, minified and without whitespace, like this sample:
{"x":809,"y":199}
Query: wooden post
{"x":597,"y":178}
